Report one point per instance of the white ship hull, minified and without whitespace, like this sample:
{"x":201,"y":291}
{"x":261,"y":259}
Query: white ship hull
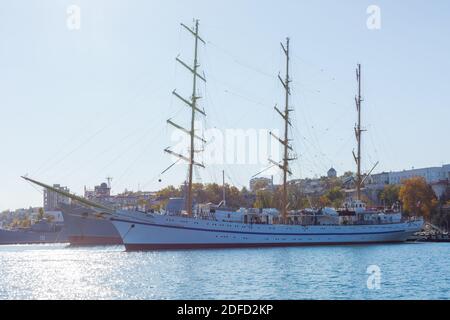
{"x":149,"y":232}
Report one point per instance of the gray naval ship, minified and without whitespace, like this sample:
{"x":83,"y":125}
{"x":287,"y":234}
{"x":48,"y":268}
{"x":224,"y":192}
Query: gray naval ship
{"x":86,"y":226}
{"x":42,"y":231}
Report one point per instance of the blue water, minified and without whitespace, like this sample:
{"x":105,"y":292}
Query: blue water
{"x":407,"y":271}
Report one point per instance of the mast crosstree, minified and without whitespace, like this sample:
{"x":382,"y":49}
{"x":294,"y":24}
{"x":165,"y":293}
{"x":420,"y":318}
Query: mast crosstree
{"x":192,"y":103}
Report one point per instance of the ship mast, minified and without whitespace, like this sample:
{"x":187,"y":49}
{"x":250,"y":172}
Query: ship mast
{"x":358,"y":131}
{"x":284,"y":165}
{"x":192,"y":103}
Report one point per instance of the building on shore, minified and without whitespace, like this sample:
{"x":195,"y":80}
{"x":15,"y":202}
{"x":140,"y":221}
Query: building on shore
{"x":261,"y":182}
{"x":332,"y":173}
{"x":138,"y":200}
{"x":53,"y":199}
{"x":309,"y":186}
{"x":318,"y":186}
{"x":9,"y":216}
{"x":101,"y":193}
{"x":134,"y":200}
{"x":431,"y":174}
{"x":437,"y":177}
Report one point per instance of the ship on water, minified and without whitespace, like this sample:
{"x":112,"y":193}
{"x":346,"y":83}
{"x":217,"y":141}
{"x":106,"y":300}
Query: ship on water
{"x":85,"y":226}
{"x":220,"y":228}
{"x":42,"y":231}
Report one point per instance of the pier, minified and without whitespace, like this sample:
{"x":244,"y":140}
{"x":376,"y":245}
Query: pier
{"x":431,"y":233}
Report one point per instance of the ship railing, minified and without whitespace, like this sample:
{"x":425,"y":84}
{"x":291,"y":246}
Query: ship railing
{"x":346,"y":222}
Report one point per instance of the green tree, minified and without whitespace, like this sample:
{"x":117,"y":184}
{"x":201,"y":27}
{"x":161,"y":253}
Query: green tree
{"x":166,"y":193}
{"x":246,"y":198}
{"x":332,"y":197}
{"x":348,"y":174}
{"x":389,"y":195}
{"x":336,"y":196}
{"x":264,"y":199}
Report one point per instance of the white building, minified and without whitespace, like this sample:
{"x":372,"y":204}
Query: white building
{"x":431,"y":175}
{"x":437,"y":177}
{"x":379,"y":178}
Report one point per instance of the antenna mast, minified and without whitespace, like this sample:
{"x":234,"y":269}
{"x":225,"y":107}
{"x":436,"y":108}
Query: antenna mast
{"x":193,"y":105}
{"x":223,"y":188}
{"x":358,"y":131}
{"x":285,"y":141}
{"x":109,"y":179}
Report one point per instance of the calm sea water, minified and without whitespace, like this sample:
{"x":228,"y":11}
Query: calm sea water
{"x":408,"y":271}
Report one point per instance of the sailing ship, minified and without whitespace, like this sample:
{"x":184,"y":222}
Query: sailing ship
{"x":220,"y":228}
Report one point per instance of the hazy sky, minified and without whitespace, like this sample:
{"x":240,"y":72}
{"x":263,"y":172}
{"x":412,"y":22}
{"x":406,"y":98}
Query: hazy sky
{"x":80,"y":105}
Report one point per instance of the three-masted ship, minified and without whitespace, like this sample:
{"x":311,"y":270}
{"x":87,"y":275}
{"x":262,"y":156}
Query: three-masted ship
{"x":220,"y":228}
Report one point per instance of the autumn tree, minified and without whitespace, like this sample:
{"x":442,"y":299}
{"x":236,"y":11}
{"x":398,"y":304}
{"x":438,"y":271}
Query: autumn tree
{"x":324,"y":201}
{"x":417,"y":197}
{"x":25,"y":223}
{"x":445,"y":199}
{"x":40,"y":215}
{"x":234,"y":197}
{"x":214,"y":192}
